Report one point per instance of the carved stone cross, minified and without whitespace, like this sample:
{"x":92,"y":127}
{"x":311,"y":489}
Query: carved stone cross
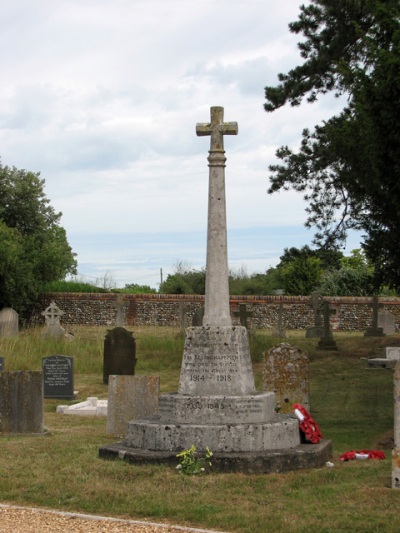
{"x":216,"y":308}
{"x":217,"y":128}
{"x":243,"y":314}
{"x":52,"y":314}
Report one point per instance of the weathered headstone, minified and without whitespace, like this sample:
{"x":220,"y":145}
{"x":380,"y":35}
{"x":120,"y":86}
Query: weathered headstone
{"x":387,"y":321}
{"x":58,"y":377}
{"x":317,"y":330}
{"x":279,"y":330}
{"x":396,"y":449}
{"x":243,"y":314}
{"x":327,"y":342}
{"x":286,"y":373}
{"x":374,"y":330}
{"x":8,"y":322}
{"x":1,"y":364}
{"x":21,"y":402}
{"x":119,"y":353}
{"x":130,"y":398}
{"x":52,"y":315}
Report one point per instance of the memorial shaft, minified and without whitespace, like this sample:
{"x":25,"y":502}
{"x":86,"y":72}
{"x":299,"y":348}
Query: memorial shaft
{"x":216,"y":312}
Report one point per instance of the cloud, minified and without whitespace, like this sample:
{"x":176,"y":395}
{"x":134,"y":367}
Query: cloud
{"x":103,"y":98}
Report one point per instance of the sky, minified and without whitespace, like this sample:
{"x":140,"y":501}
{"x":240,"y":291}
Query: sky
{"x":103,"y":97}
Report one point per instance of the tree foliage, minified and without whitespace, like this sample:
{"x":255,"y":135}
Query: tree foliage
{"x":34,"y":248}
{"x":348,"y":168}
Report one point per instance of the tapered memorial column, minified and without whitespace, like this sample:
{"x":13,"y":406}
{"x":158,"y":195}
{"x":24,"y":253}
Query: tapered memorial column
{"x":216,"y":311}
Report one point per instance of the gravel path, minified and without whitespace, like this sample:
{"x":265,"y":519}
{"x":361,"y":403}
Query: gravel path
{"x":30,"y":520}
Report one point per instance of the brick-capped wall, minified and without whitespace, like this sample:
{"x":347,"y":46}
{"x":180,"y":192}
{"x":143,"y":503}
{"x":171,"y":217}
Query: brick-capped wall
{"x":100,"y":309}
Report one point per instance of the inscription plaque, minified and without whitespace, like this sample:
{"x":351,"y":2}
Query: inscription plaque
{"x":58,"y":376}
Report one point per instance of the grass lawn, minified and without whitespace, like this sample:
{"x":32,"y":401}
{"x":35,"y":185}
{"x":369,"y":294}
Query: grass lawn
{"x":352,"y":404}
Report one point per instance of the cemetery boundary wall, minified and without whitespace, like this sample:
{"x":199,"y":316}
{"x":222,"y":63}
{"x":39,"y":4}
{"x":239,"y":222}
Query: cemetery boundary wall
{"x":178,"y":310}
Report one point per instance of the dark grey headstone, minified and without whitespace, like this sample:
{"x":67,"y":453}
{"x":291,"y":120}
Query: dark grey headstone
{"x":21,"y":402}
{"x":58,"y":377}
{"x":119,"y":353}
{"x":1,"y":363}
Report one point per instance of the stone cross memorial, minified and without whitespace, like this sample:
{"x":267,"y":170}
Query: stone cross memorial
{"x":217,"y":405}
{"x":52,"y":315}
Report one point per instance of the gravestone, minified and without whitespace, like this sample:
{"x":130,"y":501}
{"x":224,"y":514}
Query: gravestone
{"x":217,"y":405}
{"x":387,"y":321}
{"x":279,"y":330}
{"x":8,"y":323}
{"x":119,"y":320}
{"x":396,"y":449}
{"x":21,"y":402}
{"x":327,"y":342}
{"x":243,"y":314}
{"x":393,"y":352}
{"x":374,"y":330}
{"x":286,"y":373}
{"x":130,"y":398}
{"x":317,"y":330}
{"x":198,"y":316}
{"x":1,"y":364}
{"x":52,"y":315}
{"x":119,"y":353}
{"x":58,"y":377}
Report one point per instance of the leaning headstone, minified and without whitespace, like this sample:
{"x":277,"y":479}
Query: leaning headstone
{"x":327,"y":342}
{"x":130,"y":398}
{"x":8,"y":322}
{"x":119,"y":353}
{"x":21,"y":402}
{"x":286,"y":373}
{"x":52,"y":315}
{"x":317,"y":330}
{"x":374,"y":330}
{"x":58,"y":377}
{"x":396,"y":449}
{"x":387,"y":321}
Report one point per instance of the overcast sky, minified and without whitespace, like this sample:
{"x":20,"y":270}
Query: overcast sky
{"x":102,"y":98}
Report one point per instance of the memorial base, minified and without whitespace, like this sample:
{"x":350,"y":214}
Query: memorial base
{"x":266,"y":462}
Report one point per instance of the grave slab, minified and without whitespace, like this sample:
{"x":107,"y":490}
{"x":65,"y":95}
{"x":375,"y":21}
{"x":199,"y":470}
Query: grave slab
{"x":92,"y":406}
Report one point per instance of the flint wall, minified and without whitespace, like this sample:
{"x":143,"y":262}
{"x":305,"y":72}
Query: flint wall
{"x":100,"y":309}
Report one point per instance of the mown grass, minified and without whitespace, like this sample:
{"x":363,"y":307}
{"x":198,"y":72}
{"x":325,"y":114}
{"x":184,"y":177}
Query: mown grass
{"x":352,"y":404}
